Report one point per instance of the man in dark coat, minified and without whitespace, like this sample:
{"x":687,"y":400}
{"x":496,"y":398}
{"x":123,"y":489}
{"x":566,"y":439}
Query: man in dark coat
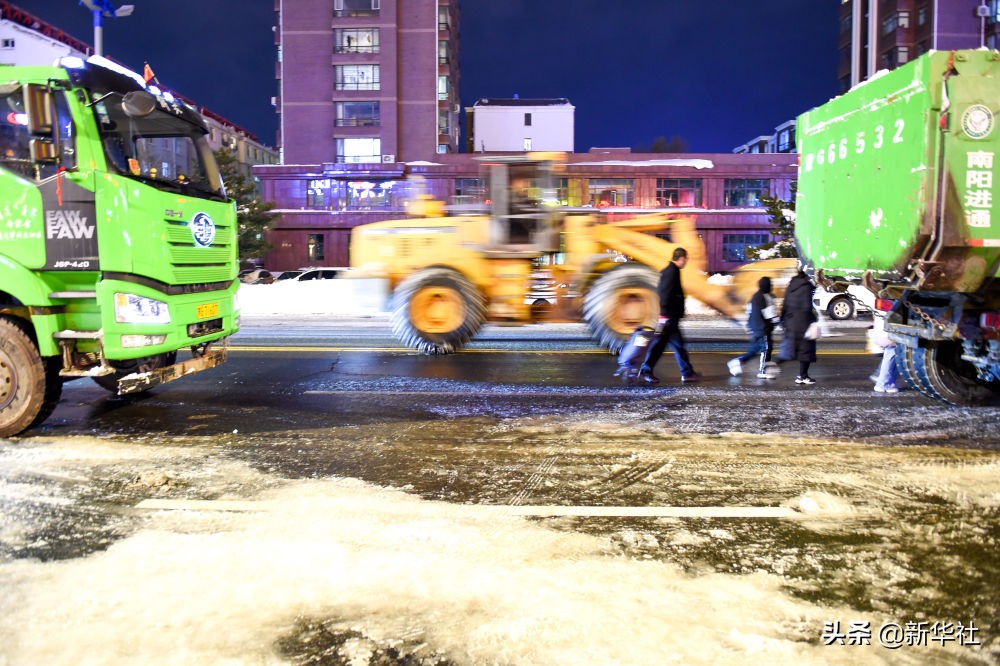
{"x":671,"y":311}
{"x":797,"y":313}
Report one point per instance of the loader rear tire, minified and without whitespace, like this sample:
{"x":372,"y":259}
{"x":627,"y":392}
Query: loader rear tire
{"x":620,"y":301}
{"x":30,"y":385}
{"x":437,"y":310}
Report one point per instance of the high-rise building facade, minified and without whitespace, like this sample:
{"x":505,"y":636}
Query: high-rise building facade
{"x":367,"y":81}
{"x":883,"y":34}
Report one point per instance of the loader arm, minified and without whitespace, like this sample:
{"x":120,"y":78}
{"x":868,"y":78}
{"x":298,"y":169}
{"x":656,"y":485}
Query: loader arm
{"x":628,"y":238}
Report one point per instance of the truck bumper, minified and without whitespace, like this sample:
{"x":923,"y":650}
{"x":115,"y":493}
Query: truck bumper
{"x":142,"y":381}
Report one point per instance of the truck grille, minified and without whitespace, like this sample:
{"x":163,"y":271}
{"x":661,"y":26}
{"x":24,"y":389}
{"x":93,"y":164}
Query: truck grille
{"x":191,"y":263}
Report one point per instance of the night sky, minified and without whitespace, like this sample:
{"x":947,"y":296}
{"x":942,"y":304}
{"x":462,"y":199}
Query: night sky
{"x":716,"y":74}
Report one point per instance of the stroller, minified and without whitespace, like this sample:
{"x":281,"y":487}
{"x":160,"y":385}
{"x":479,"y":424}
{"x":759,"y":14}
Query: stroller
{"x":632,"y":355}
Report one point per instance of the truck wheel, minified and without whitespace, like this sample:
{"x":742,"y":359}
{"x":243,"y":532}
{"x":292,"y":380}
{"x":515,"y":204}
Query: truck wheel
{"x":30,"y":386}
{"x":841,"y":308}
{"x":124,"y":368}
{"x":619,"y":301}
{"x":437,"y":310}
{"x":947,"y":377}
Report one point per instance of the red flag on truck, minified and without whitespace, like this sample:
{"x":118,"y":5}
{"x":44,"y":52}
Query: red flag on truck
{"x":147,"y":73}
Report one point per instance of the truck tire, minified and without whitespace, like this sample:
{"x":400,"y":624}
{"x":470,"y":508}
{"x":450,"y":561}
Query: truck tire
{"x":620,"y":301}
{"x":30,"y":385}
{"x":125,"y":368}
{"x":940,"y":370}
{"x":841,"y":308}
{"x":437,"y":310}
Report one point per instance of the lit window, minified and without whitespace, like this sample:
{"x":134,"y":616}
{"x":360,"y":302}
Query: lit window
{"x":746,"y":192}
{"x":678,"y":192}
{"x":358,"y":150}
{"x":356,"y":40}
{"x":358,"y":114}
{"x":734,"y":246}
{"x":358,"y":77}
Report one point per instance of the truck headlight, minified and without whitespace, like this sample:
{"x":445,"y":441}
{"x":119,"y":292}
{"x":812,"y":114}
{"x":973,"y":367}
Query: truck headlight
{"x":132,"y":309}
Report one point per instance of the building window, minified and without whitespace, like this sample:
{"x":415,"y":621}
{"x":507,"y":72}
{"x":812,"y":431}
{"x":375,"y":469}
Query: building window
{"x":527,"y":144}
{"x":366,"y":194}
{"x":356,"y":40}
{"x":444,"y":20}
{"x":746,"y":192}
{"x":444,"y":53}
{"x":444,"y":124}
{"x":355,"y":8}
{"x":527,"y":120}
{"x":606,"y":192}
{"x":443,"y":87}
{"x":469,"y":190}
{"x":358,"y":114}
{"x":678,"y":192}
{"x":359,"y":150}
{"x":318,"y":193}
{"x":357,"y":77}
{"x":7,"y":43}
{"x":785,"y":141}
{"x":734,"y":246}
{"x":902,"y":54}
{"x":315,"y":246}
{"x":922,"y":15}
{"x":845,"y":24}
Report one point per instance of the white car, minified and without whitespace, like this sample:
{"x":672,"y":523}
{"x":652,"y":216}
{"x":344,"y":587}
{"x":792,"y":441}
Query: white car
{"x":847,"y":305}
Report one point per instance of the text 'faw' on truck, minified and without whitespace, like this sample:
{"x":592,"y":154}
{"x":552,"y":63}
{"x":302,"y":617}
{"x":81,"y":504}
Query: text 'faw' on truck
{"x":117,"y":240}
{"x":896,"y":192}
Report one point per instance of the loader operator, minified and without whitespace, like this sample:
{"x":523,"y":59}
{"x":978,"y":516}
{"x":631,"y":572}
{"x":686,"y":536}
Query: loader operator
{"x":668,"y":327}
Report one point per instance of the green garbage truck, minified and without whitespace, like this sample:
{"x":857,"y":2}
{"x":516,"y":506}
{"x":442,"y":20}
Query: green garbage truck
{"x":117,"y":240}
{"x":896,"y":189}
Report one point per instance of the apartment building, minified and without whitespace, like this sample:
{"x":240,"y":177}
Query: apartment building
{"x":367,"y":81}
{"x":884,"y":34}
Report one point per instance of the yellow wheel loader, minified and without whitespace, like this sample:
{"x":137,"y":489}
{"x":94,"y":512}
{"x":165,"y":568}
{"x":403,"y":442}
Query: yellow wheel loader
{"x":450,"y":275}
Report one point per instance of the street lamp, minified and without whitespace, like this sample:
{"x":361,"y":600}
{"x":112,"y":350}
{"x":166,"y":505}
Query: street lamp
{"x":100,"y":9}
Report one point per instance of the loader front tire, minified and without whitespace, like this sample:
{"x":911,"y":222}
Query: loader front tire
{"x":30,"y":385}
{"x":620,"y":301}
{"x":437,"y":310}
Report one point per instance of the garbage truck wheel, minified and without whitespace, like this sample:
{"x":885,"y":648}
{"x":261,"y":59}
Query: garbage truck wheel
{"x":939,"y":367}
{"x":125,"y":368}
{"x":620,"y":301}
{"x":30,"y":385}
{"x":437,"y":310}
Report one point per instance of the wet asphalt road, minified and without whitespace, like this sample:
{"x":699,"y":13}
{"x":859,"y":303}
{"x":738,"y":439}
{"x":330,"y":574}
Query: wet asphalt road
{"x":763,"y":510}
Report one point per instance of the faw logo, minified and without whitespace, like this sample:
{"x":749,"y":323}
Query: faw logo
{"x":67,"y":224}
{"x":203,"y":229}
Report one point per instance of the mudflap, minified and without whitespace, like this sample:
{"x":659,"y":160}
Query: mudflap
{"x":143,"y":381}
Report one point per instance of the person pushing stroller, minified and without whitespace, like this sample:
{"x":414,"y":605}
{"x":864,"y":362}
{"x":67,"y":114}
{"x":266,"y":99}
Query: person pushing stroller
{"x":763,"y":317}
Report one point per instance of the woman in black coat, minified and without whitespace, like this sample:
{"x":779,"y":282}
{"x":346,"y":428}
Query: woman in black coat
{"x":797,"y":313}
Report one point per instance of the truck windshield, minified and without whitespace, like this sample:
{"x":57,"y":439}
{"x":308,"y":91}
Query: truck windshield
{"x":161,"y":149}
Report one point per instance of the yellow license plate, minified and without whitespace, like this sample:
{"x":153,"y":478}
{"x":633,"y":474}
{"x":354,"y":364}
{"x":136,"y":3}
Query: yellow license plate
{"x":206,"y":310}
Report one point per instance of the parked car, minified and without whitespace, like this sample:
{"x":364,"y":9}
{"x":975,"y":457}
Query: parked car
{"x":846,"y":305}
{"x":287,"y":275}
{"x":318,"y":274}
{"x":256,"y":276}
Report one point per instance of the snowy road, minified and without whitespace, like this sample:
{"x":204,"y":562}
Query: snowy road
{"x":380,"y":507}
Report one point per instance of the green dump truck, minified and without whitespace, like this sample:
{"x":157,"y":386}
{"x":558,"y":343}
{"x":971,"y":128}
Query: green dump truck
{"x":895,"y":192}
{"x":117,"y":240}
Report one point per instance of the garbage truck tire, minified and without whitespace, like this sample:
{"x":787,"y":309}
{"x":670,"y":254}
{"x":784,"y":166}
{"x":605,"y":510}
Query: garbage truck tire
{"x":939,"y":367}
{"x":437,"y":310}
{"x":620,"y":301}
{"x":30,"y":385}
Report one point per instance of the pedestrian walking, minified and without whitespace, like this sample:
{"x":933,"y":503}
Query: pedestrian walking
{"x":880,"y":342}
{"x":668,"y":326}
{"x":761,"y":320}
{"x":797,"y":317}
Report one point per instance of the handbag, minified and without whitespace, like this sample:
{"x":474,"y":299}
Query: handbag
{"x":814,"y":332}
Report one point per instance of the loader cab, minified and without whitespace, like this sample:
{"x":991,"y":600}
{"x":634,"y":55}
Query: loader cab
{"x":522,"y":205}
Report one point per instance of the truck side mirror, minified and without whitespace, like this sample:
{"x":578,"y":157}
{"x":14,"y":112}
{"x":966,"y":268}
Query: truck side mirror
{"x":138,"y":104}
{"x":43,"y":151}
{"x":38,"y":108}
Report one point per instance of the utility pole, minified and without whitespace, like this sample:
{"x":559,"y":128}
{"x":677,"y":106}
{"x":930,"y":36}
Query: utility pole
{"x":101,"y":9}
